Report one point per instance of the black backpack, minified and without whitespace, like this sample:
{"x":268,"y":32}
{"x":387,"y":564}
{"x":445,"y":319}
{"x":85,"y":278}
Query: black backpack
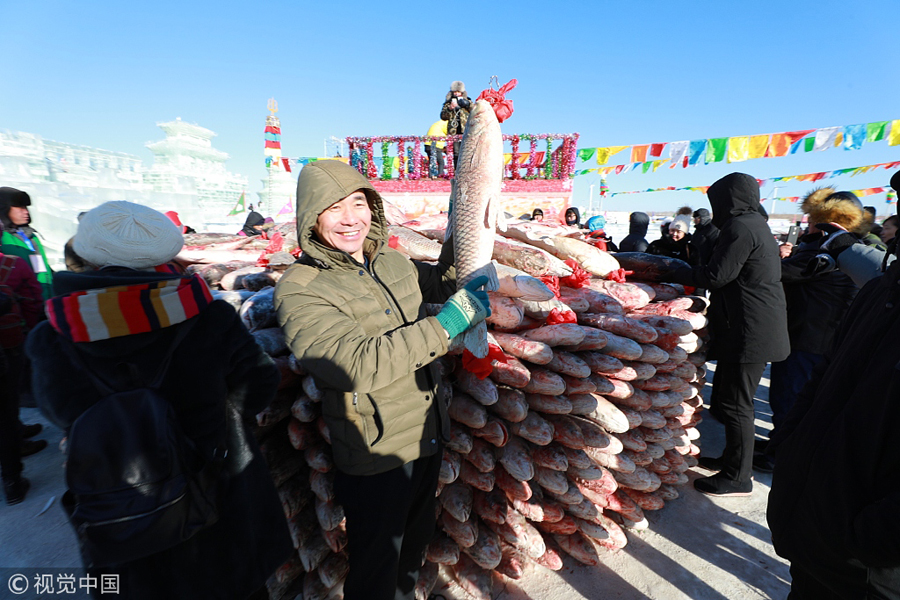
{"x":137,"y":484}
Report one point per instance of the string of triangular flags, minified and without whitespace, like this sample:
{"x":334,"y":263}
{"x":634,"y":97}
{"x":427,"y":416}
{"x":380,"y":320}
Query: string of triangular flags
{"x":688,"y":153}
{"x":852,"y":171}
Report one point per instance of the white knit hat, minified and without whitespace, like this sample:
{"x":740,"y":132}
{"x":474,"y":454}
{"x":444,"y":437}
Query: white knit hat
{"x":126,"y":234}
{"x":680,"y":223}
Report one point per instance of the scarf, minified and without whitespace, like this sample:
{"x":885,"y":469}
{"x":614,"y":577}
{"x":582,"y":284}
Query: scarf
{"x":104,"y":313}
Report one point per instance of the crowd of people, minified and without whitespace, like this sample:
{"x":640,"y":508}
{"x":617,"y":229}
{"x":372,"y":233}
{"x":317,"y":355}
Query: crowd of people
{"x":353,"y":313}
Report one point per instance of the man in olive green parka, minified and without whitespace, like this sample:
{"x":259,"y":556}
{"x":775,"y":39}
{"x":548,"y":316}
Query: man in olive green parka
{"x":352,"y":313}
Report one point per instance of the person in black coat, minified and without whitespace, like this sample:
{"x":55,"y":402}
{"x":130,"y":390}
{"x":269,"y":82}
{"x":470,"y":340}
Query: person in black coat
{"x":832,"y":509}
{"x":253,"y":222}
{"x":636,"y":240}
{"x":705,"y":235}
{"x":747,"y":322}
{"x":675,"y":243}
{"x":218,"y":380}
{"x":816,"y":303}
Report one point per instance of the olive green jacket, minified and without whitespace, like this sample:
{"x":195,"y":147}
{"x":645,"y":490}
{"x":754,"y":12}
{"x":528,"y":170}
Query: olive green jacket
{"x":363,"y":334}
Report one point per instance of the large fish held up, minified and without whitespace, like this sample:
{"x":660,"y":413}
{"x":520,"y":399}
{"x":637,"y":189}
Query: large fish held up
{"x":476,"y":209}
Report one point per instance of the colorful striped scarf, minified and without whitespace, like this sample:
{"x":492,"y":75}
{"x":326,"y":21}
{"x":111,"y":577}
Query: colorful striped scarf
{"x":104,"y":313}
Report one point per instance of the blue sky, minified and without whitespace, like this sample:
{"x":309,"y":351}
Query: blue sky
{"x":103,"y":74}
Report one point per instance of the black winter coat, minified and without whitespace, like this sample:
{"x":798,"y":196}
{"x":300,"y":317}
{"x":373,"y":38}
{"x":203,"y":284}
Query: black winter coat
{"x":682,"y":249}
{"x":815,"y":304}
{"x":747,"y":315}
{"x":217,"y":370}
{"x":705,"y":236}
{"x":636,"y":241}
{"x":835,"y":491}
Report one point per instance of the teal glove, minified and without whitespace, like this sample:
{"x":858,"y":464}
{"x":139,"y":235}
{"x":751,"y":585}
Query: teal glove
{"x":467,"y":307}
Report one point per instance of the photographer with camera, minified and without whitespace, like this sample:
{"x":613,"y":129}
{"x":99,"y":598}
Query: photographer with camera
{"x":455,"y":111}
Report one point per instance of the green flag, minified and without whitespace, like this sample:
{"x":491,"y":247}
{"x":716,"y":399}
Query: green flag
{"x":808,"y":144}
{"x":239,"y":207}
{"x":715,"y":150}
{"x":586,"y":153}
{"x":875,"y":131}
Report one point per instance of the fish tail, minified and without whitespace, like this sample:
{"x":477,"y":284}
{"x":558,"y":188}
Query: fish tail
{"x":475,"y":340}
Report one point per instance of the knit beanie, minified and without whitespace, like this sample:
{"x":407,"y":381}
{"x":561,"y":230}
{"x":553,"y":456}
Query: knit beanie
{"x":126,"y":234}
{"x":680,"y":223}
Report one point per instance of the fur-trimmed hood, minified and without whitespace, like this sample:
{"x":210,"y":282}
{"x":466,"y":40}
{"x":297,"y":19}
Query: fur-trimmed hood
{"x":823,"y":205}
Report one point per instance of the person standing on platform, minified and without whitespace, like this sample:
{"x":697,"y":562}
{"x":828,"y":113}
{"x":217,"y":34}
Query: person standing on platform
{"x":455,"y":111}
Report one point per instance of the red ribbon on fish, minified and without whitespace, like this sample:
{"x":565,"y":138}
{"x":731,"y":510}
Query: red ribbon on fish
{"x":619,"y":275}
{"x":579,"y":277}
{"x":503,"y":108}
{"x":276,"y":243}
{"x":482,"y":367}
{"x":557,"y":316}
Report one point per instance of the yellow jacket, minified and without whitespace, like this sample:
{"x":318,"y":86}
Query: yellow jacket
{"x":438,"y":128}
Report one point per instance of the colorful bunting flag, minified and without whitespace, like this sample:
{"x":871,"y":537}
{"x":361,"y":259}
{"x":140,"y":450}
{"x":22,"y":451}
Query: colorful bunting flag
{"x":759,"y":145}
{"x":639,"y":153}
{"x":585,"y":154}
{"x":894,"y":138}
{"x":825,"y":138}
{"x":715,"y":150}
{"x":854,"y":136}
{"x":656,"y":150}
{"x":696,"y":151}
{"x":738,"y":148}
{"x":604,"y":154}
{"x":875,"y":131}
{"x":781,"y":143}
{"x":677,"y":152}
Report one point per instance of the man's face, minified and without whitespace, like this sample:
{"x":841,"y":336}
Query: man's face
{"x":696,"y":221}
{"x":458,"y":93}
{"x":19,"y":215}
{"x":345,"y":224}
{"x":570,"y":217}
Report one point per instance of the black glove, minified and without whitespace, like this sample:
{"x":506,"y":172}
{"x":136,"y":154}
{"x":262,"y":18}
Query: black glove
{"x":464,"y":102}
{"x":837,"y":239}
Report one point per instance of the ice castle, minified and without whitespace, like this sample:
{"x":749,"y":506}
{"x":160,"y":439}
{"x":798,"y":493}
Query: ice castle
{"x":188,"y":175}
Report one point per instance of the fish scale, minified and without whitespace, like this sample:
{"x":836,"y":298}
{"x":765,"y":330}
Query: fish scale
{"x":476,"y":209}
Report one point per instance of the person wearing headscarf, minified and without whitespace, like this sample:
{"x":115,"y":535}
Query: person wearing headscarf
{"x":636,"y":240}
{"x":747,"y":323}
{"x":217,"y":381}
{"x":21,"y":239}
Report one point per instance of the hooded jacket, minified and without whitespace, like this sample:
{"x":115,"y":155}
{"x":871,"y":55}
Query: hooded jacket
{"x":22,"y":240}
{"x":254,"y":219}
{"x":747,"y":315}
{"x":575,"y":210}
{"x":815,"y":303}
{"x":835,"y":489}
{"x":636,"y":240}
{"x":218,"y":378}
{"x":705,"y":236}
{"x":362,"y":332}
